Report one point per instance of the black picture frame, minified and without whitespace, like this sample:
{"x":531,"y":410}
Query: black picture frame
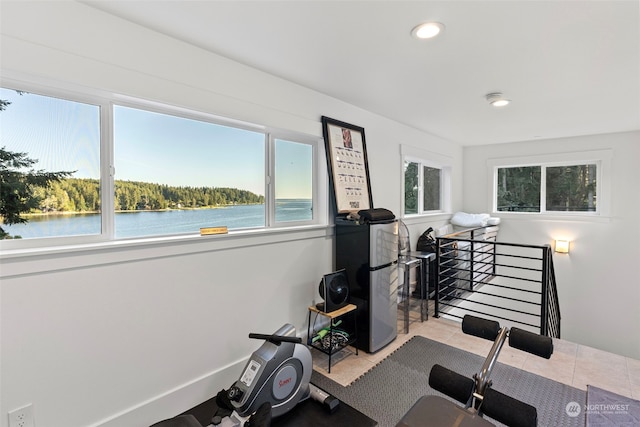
{"x":348,"y":166}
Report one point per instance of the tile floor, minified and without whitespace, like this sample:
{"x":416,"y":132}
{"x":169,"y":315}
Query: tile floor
{"x":572,"y":364}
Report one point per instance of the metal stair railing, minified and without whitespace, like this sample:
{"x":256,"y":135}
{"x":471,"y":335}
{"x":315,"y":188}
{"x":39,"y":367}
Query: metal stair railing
{"x":506,"y":281}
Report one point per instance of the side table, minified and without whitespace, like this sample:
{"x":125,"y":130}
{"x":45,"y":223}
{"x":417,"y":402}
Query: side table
{"x":332,"y":339}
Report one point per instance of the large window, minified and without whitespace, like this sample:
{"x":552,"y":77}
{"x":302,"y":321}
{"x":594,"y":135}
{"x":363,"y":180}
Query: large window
{"x":547,"y":188}
{"x":176,"y":174}
{"x":426,"y":187}
{"x":162,"y":170}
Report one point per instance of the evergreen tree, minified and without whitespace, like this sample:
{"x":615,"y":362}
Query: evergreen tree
{"x":18,"y":182}
{"x":410,"y":187}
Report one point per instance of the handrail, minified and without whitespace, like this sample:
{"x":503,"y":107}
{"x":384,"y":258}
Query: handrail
{"x":507,"y":281}
{"x":553,"y":315}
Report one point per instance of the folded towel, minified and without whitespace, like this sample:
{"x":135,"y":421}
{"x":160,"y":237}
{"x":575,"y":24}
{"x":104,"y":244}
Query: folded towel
{"x":463,"y":219}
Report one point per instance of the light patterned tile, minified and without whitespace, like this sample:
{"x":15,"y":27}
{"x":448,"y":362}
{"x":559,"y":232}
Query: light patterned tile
{"x":570,"y":349}
{"x":602,"y":369}
{"x":633,"y":367}
{"x":590,"y":354}
{"x":559,"y":367}
{"x":602,"y":374}
{"x":635,"y":391}
{"x":346,"y":366}
{"x":437,"y":330}
{"x":470,"y":343}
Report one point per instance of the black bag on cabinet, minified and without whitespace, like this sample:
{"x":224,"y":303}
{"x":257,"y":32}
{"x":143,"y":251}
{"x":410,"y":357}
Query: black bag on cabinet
{"x":367,"y":216}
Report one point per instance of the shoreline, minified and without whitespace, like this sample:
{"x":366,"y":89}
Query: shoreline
{"x":64,"y":213}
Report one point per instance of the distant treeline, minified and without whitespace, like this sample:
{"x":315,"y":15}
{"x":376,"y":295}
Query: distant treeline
{"x":83,"y":195}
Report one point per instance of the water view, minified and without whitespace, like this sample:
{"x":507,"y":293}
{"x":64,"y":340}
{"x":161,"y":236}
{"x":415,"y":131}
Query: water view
{"x":148,"y":223}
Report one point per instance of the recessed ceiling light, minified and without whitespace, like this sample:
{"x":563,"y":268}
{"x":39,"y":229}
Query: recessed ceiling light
{"x":496,"y":99}
{"x":427,"y":30}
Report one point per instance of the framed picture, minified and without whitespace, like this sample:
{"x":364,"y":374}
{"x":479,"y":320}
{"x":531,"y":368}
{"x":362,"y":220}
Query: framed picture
{"x":348,"y":166}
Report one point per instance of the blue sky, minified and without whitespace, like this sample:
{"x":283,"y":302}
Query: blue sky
{"x":149,"y":147}
{"x":155,"y":147}
{"x":62,"y":136}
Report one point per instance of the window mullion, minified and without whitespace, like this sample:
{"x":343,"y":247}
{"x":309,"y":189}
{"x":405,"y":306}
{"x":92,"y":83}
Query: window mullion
{"x":420,"y":188}
{"x":107,"y":171}
{"x":442,"y":185}
{"x":543,"y":189}
{"x":270,"y":177}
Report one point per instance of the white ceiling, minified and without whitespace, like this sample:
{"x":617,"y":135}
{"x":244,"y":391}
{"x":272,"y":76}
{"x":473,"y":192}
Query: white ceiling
{"x":570,"y":67}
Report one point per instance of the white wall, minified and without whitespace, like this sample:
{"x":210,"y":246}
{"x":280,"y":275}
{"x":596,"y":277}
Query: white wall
{"x":598,"y":283}
{"x":129,"y":334}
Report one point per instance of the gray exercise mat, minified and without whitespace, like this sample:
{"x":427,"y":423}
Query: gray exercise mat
{"x":387,"y":392}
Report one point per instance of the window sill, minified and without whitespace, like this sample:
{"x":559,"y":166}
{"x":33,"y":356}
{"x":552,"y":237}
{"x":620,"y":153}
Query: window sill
{"x":569,"y":217}
{"x":37,"y":260}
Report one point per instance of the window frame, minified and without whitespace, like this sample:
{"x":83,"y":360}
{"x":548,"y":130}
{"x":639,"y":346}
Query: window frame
{"x":432,"y":160}
{"x":108,"y":171}
{"x":102,"y":101}
{"x":602,"y":160}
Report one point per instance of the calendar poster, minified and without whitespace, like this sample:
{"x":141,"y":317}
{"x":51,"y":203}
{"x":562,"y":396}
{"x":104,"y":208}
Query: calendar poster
{"x":348,"y":169}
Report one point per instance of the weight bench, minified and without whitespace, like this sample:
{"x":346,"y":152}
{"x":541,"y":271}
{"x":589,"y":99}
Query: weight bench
{"x":477,"y":395}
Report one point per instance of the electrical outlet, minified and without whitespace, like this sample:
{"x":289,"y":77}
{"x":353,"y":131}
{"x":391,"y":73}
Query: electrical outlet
{"x":22,"y":417}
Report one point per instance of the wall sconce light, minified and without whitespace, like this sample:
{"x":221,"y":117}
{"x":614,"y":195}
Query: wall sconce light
{"x":562,"y":246}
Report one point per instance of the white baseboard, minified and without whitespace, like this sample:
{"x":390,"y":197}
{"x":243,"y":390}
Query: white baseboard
{"x":177,"y":400}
